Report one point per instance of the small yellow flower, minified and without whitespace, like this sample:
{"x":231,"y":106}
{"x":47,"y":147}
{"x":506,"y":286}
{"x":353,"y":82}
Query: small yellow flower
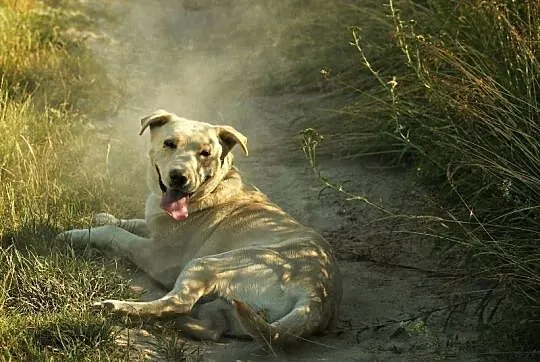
{"x":393,"y":83}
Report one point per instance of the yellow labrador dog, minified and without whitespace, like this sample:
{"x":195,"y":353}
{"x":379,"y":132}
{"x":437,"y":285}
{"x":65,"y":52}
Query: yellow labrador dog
{"x":235,"y":262}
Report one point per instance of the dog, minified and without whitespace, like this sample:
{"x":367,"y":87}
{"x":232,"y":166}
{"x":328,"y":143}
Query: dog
{"x":235,"y":263}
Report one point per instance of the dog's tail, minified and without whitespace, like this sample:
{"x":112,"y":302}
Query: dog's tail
{"x":301,"y":321}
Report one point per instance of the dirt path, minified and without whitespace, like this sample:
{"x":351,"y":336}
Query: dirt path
{"x":161,"y":74}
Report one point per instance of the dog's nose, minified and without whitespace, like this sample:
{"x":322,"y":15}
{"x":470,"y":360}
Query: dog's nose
{"x":177,"y":178}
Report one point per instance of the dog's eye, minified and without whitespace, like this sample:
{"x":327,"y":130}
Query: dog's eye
{"x":169,"y":143}
{"x":205,"y":153}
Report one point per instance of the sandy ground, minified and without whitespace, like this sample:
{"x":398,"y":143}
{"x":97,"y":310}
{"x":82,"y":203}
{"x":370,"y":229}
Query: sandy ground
{"x":393,"y":307}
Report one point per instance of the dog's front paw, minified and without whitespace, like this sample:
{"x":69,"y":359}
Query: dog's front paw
{"x":77,"y":238}
{"x":117,"y":307}
{"x":104,"y":218}
{"x":108,"y":305}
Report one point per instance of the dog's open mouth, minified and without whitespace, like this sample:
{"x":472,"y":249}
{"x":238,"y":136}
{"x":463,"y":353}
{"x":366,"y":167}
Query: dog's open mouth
{"x":174,"y":201}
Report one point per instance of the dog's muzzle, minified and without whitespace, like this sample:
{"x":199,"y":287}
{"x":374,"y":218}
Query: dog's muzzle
{"x":174,"y":201}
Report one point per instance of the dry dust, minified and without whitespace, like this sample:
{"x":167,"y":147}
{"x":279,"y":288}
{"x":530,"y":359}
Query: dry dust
{"x":393,"y":307}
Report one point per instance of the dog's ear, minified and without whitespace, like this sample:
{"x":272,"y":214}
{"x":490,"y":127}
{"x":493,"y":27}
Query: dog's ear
{"x":229,"y":137}
{"x":158,"y":118}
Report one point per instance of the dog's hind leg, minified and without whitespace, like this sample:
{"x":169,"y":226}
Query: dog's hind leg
{"x":304,"y":319}
{"x":195,"y":281}
{"x":208,"y":320}
{"x":276,"y":302}
{"x":200,"y":277}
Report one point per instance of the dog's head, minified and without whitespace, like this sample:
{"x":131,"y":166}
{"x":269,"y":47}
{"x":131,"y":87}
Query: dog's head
{"x":188,"y":159}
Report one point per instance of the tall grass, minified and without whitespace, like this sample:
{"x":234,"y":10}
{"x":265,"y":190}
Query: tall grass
{"x":43,"y":55}
{"x":462,"y":106}
{"x":479,"y":138}
{"x":49,"y":87}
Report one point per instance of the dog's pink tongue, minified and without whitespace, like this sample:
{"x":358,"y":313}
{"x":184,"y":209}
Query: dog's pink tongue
{"x":175,"y":204}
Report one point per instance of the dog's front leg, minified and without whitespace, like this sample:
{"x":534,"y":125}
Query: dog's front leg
{"x":108,"y":237}
{"x":135,"y":226}
{"x":195,"y":281}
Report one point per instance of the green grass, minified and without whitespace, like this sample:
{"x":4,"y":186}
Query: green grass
{"x":43,"y":56}
{"x":49,"y":87}
{"x":44,"y":303}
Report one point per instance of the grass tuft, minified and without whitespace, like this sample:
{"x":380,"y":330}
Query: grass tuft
{"x":45,"y":306}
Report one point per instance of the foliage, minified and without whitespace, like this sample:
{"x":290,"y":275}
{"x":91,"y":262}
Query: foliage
{"x":463,"y":109}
